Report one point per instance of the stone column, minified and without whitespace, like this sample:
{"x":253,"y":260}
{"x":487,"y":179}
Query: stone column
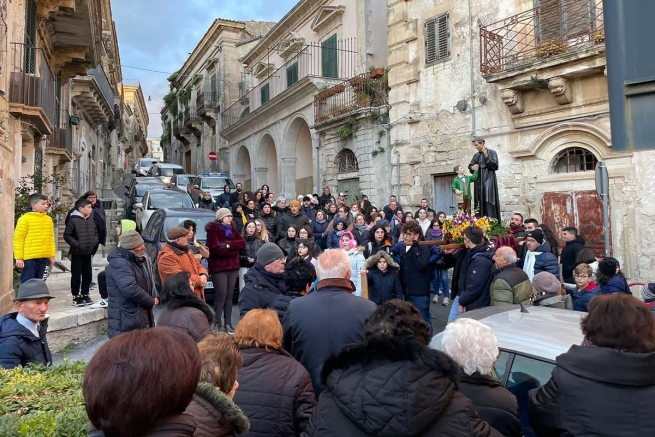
{"x":287,"y":178}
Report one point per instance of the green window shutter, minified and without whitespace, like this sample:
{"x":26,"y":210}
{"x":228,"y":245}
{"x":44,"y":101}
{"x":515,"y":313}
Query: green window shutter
{"x":330,"y":60}
{"x":30,"y":37}
{"x":437,"y":38}
{"x":292,"y":74}
{"x":265,"y":91}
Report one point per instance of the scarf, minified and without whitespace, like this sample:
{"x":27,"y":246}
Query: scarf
{"x":227,"y":229}
{"x":361,"y":228}
{"x":275,"y":279}
{"x":528,"y":264}
{"x":184,"y":248}
{"x":320,"y":221}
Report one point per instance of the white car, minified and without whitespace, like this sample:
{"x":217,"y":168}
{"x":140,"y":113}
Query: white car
{"x":529,"y":342}
{"x":142,"y":166}
{"x":158,"y":199}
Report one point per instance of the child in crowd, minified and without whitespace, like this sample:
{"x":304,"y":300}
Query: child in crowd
{"x":34,"y":240}
{"x":357,"y":261}
{"x":610,"y":278}
{"x":334,"y":237}
{"x":82,"y":237}
{"x":587,"y":290}
{"x":382,"y":278}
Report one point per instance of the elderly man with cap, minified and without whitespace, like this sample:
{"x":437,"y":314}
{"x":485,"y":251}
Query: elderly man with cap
{"x":131,"y":286}
{"x":295,"y":218}
{"x":265,"y":287}
{"x":510,"y":284}
{"x":547,"y":292}
{"x":23,"y":333}
{"x":539,"y":258}
{"x":176,"y":257}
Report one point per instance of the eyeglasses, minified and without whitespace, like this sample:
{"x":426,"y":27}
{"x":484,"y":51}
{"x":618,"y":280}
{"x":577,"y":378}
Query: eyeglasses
{"x":281,"y":259}
{"x":580,"y":276}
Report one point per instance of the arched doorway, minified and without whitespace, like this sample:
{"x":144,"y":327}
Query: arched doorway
{"x":348,"y":175}
{"x":242,"y":168}
{"x":266,"y":168}
{"x":300,"y":139}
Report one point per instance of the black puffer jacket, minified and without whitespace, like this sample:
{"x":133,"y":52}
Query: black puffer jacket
{"x":129,"y":285}
{"x":208,"y":204}
{"x":383,"y":286}
{"x":596,"y":391}
{"x":479,"y":274}
{"x":287,"y":220}
{"x":81,"y":234}
{"x":19,"y":347}
{"x":391,"y":387}
{"x":497,"y":406}
{"x":252,"y":246}
{"x":569,"y":253}
{"x":275,"y":391}
{"x":271,"y":225}
{"x":260,"y":293}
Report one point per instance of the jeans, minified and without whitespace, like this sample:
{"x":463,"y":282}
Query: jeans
{"x":454,"y":310}
{"x":81,"y":274}
{"x":441,"y":283}
{"x":34,"y":269}
{"x":422,"y":303}
{"x":224,"y":283}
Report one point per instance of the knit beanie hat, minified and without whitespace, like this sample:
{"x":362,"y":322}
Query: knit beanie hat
{"x":130,"y":240}
{"x":295,"y":203}
{"x":177,"y":232}
{"x":537,"y":235}
{"x":545,"y":282}
{"x":268,"y":253}
{"x":648,"y":291}
{"x":608,"y":267}
{"x":222,"y":213}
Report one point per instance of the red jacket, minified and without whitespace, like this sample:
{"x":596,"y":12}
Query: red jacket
{"x":221,"y":258}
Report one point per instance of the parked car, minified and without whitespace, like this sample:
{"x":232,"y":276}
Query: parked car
{"x":209,"y":182}
{"x":182,"y":181}
{"x":142,"y":166}
{"x":529,"y":342}
{"x":157,"y":199}
{"x":154,"y":235}
{"x":135,"y":191}
{"x":165,"y":171}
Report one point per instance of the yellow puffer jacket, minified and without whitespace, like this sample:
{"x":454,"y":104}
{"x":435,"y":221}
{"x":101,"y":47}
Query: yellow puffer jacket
{"x":34,"y":237}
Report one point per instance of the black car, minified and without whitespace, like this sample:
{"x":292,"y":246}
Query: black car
{"x":135,"y":191}
{"x":154,"y":235}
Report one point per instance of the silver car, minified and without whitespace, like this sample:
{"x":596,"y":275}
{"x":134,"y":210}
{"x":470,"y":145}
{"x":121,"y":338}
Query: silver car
{"x":142,"y":166}
{"x":529,"y":342}
{"x":158,"y":199}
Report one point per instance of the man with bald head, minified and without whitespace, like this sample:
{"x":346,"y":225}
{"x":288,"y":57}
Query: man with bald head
{"x":510,"y":284}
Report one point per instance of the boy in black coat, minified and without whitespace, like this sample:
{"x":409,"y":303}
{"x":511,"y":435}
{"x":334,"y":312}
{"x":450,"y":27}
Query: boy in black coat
{"x":478,"y":268}
{"x":82,"y":236}
{"x":416,"y":272}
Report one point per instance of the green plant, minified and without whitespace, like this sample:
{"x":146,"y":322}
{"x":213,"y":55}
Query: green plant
{"x":344,"y":132}
{"x":377,"y":151}
{"x":40,"y":401}
{"x":537,"y":84}
{"x":66,"y":350}
{"x":35,"y":183}
{"x":599,"y":36}
{"x":498,"y":228}
{"x":380,"y":135}
{"x":186,"y":96}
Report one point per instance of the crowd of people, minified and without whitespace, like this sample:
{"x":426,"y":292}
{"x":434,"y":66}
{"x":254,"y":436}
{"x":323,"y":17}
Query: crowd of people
{"x":334,"y":325}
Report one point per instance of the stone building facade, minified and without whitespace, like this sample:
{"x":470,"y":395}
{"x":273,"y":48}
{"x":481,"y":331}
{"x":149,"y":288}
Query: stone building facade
{"x":530,"y":78}
{"x":317,"y":45}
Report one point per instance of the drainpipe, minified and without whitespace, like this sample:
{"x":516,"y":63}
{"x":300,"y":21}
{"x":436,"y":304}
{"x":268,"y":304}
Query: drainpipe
{"x":317,"y":146}
{"x":398,"y":165}
{"x":389,"y":184}
{"x":471,"y":68}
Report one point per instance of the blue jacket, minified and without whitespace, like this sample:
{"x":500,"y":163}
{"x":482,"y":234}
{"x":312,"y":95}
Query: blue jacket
{"x":19,"y":347}
{"x":581,"y":299}
{"x":479,"y":275}
{"x":616,"y":284}
{"x":318,"y":229}
{"x":260,"y":293}
{"x":546,"y":262}
{"x":130,"y":302}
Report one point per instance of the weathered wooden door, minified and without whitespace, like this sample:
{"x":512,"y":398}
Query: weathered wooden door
{"x":444,"y":198}
{"x":582,"y":209}
{"x":351,"y":188}
{"x":187,"y":162}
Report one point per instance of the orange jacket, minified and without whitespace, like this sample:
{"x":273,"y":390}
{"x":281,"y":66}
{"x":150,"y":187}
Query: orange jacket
{"x":172,"y":260}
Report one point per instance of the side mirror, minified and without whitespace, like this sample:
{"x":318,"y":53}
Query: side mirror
{"x":197,"y":205}
{"x":147,"y":239}
{"x":138,"y":205}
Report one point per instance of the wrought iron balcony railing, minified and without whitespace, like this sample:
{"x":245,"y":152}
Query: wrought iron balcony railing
{"x":105,"y":87}
{"x":62,"y":137}
{"x":553,"y":28}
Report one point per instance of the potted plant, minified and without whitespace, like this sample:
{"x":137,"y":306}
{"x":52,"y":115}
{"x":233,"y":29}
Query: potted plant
{"x":363,"y":100}
{"x":376,"y":73}
{"x":599,"y":36}
{"x":551,"y":48}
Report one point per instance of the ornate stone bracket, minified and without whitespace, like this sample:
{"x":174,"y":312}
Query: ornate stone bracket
{"x":513,"y":99}
{"x":561,"y":90}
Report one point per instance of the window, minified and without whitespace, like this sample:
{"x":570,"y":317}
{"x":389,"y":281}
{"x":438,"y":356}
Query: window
{"x":437,"y":39}
{"x":266,"y":95}
{"x":500,"y":366}
{"x":347,"y":161}
{"x":292,"y":74}
{"x":30,"y":37}
{"x":573,"y":160}
{"x":330,"y":60}
{"x":559,"y":20}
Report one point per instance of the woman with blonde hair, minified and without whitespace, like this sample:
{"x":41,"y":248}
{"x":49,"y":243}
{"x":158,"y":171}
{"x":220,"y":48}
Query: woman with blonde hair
{"x":275,"y":390}
{"x":212,"y":406}
{"x":262,"y":232}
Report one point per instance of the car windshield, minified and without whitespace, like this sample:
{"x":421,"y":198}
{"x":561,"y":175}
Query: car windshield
{"x":216,"y":183}
{"x":142,"y":188}
{"x":169,"y":200}
{"x":146,"y":162}
{"x":201,"y":222}
{"x":183,"y":180}
{"x":167,"y":171}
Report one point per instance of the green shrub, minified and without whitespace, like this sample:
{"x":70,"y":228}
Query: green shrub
{"x":43,"y":402}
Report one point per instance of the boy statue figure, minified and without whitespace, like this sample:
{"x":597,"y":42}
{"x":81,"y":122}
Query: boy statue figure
{"x":462,"y":188}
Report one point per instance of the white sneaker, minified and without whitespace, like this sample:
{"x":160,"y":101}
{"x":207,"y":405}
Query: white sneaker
{"x":445,"y":302}
{"x":440,"y":292}
{"x":435,"y":299}
{"x":102,"y":303}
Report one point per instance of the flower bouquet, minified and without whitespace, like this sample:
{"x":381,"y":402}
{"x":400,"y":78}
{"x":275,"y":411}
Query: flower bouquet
{"x":453,"y":228}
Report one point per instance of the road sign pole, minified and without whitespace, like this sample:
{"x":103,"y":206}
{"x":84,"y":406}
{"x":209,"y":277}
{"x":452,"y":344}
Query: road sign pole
{"x":602,"y":188}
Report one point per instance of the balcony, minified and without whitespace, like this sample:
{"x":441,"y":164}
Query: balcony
{"x":179,"y":129}
{"x":553,"y":33}
{"x":335,"y":61}
{"x":62,"y":139}
{"x":192,"y":120}
{"x":368,"y":90}
{"x":95,"y":95}
{"x":32,"y":88}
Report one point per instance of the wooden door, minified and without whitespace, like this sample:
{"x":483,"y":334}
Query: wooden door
{"x":187,"y":162}
{"x":443,"y":196}
{"x":582,"y":209}
{"x":351,"y":188}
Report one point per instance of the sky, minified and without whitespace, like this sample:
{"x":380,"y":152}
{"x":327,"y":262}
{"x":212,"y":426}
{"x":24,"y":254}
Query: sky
{"x":160,"y":34}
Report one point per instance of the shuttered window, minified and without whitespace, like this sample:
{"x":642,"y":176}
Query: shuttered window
{"x":265,"y":90}
{"x":437,"y":39}
{"x":30,"y":37}
{"x":292,"y":74}
{"x":330,"y":60}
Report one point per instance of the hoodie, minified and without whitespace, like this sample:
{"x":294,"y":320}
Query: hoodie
{"x":569,"y":253}
{"x":81,"y":234}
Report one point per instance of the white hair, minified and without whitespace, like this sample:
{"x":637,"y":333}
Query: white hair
{"x":472,"y":344}
{"x":333,"y":263}
{"x":508,"y":253}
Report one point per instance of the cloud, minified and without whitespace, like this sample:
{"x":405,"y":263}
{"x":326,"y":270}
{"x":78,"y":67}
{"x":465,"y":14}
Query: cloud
{"x":159,"y":34}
